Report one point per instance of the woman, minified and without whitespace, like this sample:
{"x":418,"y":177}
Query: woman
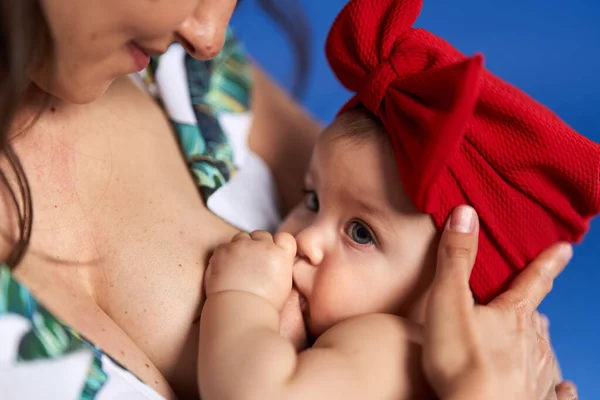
{"x":121,"y":236}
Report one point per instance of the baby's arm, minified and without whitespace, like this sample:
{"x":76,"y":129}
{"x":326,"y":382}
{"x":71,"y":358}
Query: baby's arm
{"x":242,"y":356}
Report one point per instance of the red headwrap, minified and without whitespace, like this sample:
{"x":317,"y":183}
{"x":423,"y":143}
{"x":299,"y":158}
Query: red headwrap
{"x":463,"y":136}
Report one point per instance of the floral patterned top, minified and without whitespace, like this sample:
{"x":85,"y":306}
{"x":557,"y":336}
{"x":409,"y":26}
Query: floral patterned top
{"x":42,"y":358}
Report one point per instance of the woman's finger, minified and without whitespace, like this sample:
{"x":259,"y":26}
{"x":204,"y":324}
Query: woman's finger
{"x":450,"y":292}
{"x":566,"y":391}
{"x":532,"y":285}
{"x":543,"y":328}
{"x":537,"y":323}
{"x":551,"y":395}
{"x":450,"y":306}
{"x":546,"y":368}
{"x":558,"y":377}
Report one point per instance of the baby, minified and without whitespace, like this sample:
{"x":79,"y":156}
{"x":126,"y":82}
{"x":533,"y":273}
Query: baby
{"x":428,"y":130}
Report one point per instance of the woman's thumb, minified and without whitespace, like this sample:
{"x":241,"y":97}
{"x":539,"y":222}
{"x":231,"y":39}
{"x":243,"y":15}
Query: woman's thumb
{"x":456,"y":255}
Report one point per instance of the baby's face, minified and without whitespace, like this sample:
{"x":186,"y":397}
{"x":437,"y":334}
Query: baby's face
{"x":362,"y":246}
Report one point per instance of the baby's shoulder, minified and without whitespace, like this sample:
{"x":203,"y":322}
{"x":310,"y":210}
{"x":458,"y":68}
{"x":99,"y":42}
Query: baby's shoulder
{"x":382,"y":347}
{"x":372,"y":330}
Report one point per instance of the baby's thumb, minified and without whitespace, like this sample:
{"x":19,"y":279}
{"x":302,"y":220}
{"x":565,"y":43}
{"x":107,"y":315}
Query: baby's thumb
{"x":286,"y":242}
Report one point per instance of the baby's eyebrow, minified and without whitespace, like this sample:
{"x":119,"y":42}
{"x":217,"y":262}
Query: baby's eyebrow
{"x":370,"y":208}
{"x":375,"y":211}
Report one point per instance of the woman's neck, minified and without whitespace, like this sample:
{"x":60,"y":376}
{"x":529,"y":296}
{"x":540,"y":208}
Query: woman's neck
{"x":35,"y":103}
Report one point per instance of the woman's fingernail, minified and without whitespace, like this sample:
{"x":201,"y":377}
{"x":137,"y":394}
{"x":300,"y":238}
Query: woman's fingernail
{"x":462,"y":219}
{"x":566,"y":252}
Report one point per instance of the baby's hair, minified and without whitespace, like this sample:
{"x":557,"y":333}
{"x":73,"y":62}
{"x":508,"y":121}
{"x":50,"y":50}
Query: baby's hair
{"x":358,"y":126}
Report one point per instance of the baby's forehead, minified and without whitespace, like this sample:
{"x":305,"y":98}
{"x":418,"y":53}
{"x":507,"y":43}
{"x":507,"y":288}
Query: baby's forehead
{"x":358,"y":171}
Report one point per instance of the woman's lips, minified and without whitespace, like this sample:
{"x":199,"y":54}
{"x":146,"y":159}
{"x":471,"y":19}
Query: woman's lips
{"x":141,"y":59}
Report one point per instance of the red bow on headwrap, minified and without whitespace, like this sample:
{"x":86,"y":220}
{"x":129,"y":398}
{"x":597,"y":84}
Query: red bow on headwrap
{"x":463,"y":136}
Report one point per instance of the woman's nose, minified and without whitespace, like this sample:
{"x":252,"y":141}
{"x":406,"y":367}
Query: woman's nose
{"x":203,"y":33}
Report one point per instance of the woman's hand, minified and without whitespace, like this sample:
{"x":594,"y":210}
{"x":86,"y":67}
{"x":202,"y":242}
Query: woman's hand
{"x":494,"y":351}
{"x":257,"y":263}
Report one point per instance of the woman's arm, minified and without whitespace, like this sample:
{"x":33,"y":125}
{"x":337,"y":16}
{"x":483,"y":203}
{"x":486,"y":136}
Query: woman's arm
{"x":283,"y":135}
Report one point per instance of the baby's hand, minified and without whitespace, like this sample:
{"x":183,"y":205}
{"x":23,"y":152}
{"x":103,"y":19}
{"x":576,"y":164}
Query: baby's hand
{"x":257,"y":263}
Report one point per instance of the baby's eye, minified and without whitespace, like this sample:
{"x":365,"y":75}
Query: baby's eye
{"x":360,"y":234}
{"x":311,"y":201}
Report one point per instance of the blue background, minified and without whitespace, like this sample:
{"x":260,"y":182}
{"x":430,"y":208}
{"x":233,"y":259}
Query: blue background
{"x":550,"y":49}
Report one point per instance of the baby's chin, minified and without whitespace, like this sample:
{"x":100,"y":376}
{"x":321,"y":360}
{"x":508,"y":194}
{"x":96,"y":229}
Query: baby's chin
{"x":292,"y":323}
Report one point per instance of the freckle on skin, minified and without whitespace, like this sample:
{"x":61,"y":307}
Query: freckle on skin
{"x":53,"y":109}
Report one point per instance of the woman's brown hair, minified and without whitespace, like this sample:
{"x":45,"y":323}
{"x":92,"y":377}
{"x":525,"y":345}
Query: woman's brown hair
{"x":24,"y":44}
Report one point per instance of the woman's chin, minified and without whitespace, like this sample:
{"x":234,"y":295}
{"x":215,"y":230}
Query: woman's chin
{"x":75,"y":90}
{"x":292,"y":324}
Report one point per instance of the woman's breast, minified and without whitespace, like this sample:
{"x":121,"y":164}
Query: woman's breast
{"x":153,"y":287}
{"x":158,"y":236}
{"x":122,"y":238}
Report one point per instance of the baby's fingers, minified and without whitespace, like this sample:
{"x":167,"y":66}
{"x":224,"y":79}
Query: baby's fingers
{"x":261,"y":235}
{"x":286,"y":242}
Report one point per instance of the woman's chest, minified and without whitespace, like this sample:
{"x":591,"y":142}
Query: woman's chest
{"x":121,"y":239}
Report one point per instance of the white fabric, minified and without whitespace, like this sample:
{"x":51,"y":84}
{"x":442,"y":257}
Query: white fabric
{"x":123,"y":385}
{"x":61,"y":378}
{"x":249,"y":199}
